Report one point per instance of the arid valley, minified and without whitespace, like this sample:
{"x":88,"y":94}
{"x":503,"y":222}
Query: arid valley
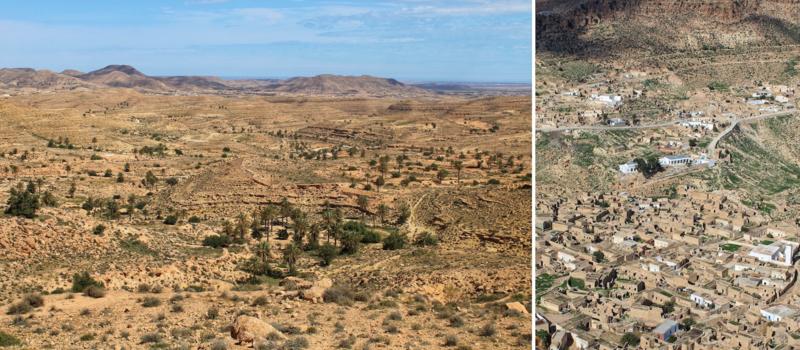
{"x":199,"y":213}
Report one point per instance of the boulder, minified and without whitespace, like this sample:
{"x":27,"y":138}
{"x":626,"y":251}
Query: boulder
{"x":324,"y":283}
{"x":247,"y":329}
{"x":313,"y":294}
{"x":517,"y":306}
{"x":298,"y":283}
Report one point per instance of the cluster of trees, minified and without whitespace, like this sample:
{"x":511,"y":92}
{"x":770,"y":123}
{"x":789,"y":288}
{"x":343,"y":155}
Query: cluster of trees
{"x":25,"y":200}
{"x":648,"y":167}
{"x":60,"y":143}
{"x":326,"y":238}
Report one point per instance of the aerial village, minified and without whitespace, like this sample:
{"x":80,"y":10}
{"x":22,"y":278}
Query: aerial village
{"x":691,"y":269}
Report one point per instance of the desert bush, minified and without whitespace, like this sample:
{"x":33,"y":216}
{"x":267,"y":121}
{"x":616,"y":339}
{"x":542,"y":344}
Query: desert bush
{"x":338,"y":294}
{"x":260,"y":301}
{"x":99,"y":229}
{"x":151,"y":302}
{"x":297,"y":343}
{"x":394,"y":316}
{"x":487,"y":330}
{"x":212,"y":313}
{"x":150,"y":338}
{"x":450,"y":340}
{"x":456,"y":321}
{"x":347,"y":343}
{"x":19,"y":308}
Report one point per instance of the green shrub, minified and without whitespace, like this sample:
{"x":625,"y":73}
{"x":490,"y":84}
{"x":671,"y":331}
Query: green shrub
{"x":99,"y":229}
{"x":217,"y":241}
{"x":393,"y":241}
{"x":82,"y":281}
{"x":8,"y":340}
{"x":427,"y":239}
{"x":327,"y":252}
{"x":171,"y":220}
{"x":194,"y":219}
{"x":370,"y":236}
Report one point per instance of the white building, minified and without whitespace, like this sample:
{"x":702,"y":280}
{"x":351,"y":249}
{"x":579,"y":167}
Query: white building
{"x":661,"y":243}
{"x":780,"y":253}
{"x":697,"y":124}
{"x":565,"y":257}
{"x":702,"y":300}
{"x":611,"y":101}
{"x":629,"y":167}
{"x":777,"y":313}
{"x":756,"y":102}
{"x":704,"y":160}
{"x":765,"y":253}
{"x":616,"y":122}
{"x":674,"y":160}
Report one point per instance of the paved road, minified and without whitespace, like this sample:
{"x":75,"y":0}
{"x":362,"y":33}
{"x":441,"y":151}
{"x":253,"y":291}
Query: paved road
{"x":713,"y":144}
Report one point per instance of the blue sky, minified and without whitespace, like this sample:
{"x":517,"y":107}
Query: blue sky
{"x":411,"y":40}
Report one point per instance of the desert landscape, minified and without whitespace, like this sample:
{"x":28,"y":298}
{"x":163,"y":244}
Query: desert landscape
{"x":321,"y":212}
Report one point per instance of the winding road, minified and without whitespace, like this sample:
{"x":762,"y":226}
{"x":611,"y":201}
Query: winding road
{"x":713,"y":144}
{"x":710,"y":149}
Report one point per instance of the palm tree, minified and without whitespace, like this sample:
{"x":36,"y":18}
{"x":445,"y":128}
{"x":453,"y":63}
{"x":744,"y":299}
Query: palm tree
{"x":458,"y":165}
{"x":261,"y":251}
{"x":313,"y":236}
{"x":286,"y":209}
{"x":300,"y":226}
{"x":383,"y":209}
{"x":383,"y":164}
{"x":267,"y":216}
{"x":363,"y":203}
{"x":290,"y":255}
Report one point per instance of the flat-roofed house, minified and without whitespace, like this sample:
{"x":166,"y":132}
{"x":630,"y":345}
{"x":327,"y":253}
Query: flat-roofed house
{"x":666,"y":329}
{"x":776,"y":313}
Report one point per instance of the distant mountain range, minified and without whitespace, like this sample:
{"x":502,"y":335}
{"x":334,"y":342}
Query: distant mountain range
{"x":124,"y":76}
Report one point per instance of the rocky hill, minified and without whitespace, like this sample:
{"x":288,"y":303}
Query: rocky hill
{"x":602,"y":27}
{"x":38,"y":79}
{"x":328,"y":84}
